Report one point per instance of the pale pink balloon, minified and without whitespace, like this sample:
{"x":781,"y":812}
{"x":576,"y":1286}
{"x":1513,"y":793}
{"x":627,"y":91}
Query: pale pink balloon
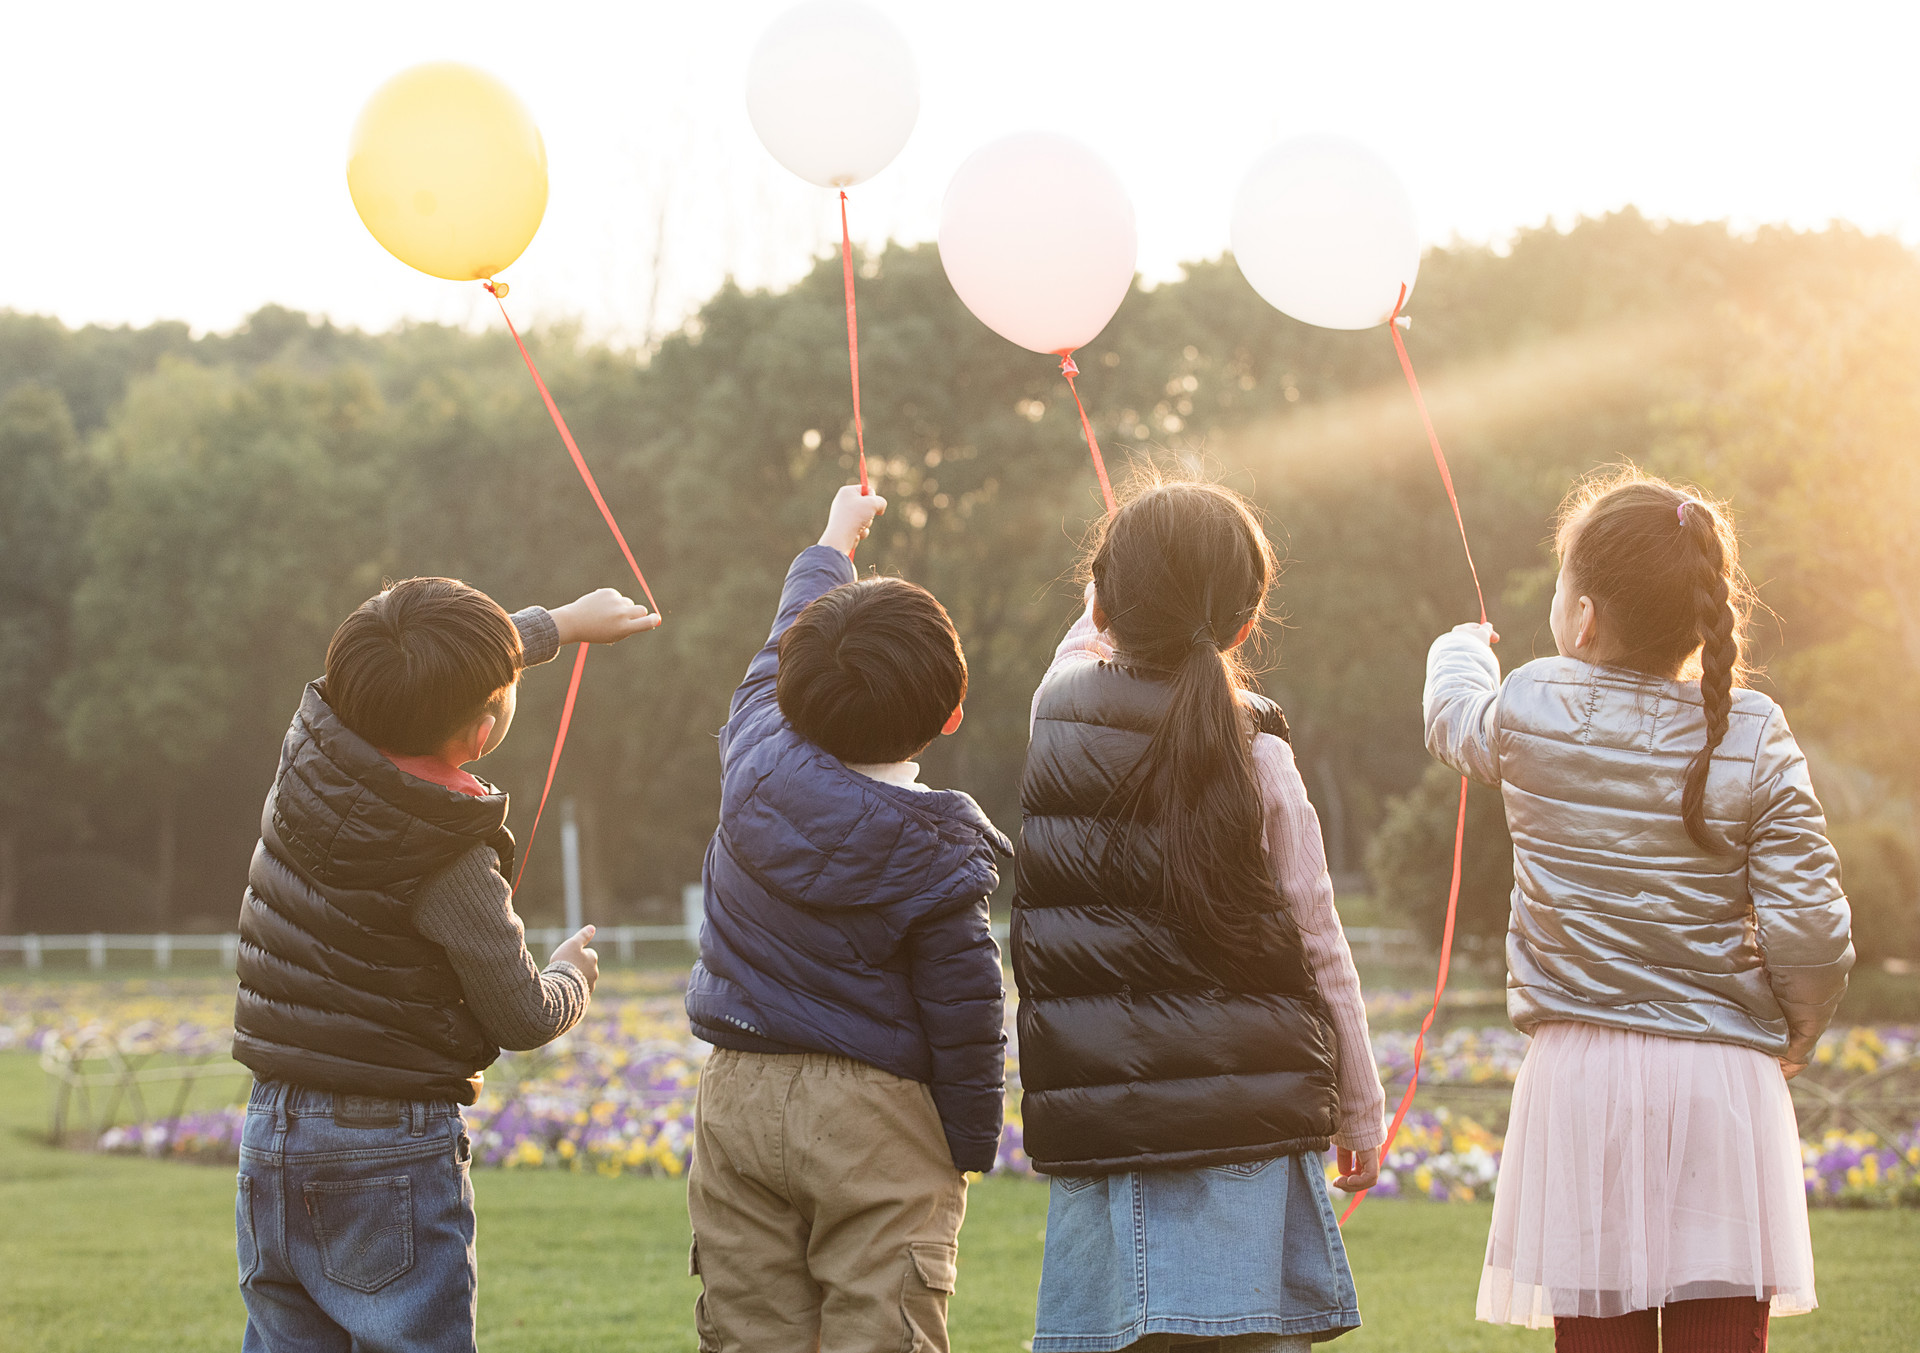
{"x":1037,"y":237}
{"x":832,"y":91}
{"x":1324,"y":230}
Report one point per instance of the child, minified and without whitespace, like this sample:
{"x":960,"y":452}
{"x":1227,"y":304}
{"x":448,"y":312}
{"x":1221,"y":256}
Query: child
{"x":382,"y":969}
{"x":1679,"y":940}
{"x":1191,"y":1028}
{"x":847,"y":977}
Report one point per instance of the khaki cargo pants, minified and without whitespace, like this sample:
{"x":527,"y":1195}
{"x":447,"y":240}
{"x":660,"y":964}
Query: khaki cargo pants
{"x":826,"y":1209}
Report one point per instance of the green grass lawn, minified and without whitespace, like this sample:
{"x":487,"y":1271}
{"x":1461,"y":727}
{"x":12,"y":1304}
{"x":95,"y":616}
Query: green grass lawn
{"x":100,"y":1253}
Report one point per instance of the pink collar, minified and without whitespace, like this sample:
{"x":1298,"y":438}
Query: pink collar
{"x":435,"y":771}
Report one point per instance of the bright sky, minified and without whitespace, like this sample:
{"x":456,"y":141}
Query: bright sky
{"x":187,"y":160}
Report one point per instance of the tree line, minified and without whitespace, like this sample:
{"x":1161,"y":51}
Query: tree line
{"x":183,"y":520}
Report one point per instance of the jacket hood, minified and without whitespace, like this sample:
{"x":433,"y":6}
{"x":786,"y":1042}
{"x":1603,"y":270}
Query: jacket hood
{"x":819,"y":835}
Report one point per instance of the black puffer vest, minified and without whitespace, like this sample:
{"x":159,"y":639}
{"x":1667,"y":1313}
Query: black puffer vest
{"x":338,"y":991}
{"x":1136,"y":1054}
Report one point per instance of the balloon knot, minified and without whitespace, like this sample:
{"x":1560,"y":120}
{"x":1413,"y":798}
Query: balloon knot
{"x":1403,"y":322}
{"x":1067,"y":368}
{"x":497,"y":290}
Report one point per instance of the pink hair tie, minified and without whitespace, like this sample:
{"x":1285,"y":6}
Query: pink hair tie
{"x":1681,"y":511}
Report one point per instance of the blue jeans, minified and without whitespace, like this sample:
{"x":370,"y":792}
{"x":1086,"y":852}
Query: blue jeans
{"x":355,"y":1224}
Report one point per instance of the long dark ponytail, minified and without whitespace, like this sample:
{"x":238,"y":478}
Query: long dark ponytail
{"x":1179,"y":571}
{"x":1662,"y":566}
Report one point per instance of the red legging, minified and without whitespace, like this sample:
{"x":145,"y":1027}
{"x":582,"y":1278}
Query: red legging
{"x":1721,"y":1325}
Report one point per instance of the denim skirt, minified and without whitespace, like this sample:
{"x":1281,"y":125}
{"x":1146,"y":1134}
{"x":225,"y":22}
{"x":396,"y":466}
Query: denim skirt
{"x":1225,"y":1250}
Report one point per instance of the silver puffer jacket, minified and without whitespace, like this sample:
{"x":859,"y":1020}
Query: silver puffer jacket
{"x":1618,"y":918}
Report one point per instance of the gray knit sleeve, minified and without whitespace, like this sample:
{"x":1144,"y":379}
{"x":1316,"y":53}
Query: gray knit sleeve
{"x":539,"y":635}
{"x":467,"y":909}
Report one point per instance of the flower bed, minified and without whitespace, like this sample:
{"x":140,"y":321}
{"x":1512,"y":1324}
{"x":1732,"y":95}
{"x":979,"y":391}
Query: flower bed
{"x":615,"y":1096}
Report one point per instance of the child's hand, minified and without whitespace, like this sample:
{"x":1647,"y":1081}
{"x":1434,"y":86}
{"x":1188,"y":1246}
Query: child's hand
{"x":1790,"y":1069}
{"x":1358,"y":1169}
{"x":1480,"y":630}
{"x":603,"y":617}
{"x":574,"y":950}
{"x":851,"y":517}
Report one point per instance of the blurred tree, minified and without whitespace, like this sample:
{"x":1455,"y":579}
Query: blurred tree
{"x":239,"y":518}
{"x":1812,"y":428}
{"x":1411,"y":858}
{"x":1881,"y":871}
{"x":45,"y":492}
{"x":252,"y":487}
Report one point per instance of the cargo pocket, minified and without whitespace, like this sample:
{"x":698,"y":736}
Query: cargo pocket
{"x":365,"y":1230}
{"x":931,"y":1269}
{"x":703,"y":1327}
{"x":244,"y":1239}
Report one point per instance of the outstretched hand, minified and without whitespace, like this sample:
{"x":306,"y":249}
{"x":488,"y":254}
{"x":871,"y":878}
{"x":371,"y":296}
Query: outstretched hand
{"x":574,"y":950}
{"x":851,"y":517}
{"x":1480,"y":630}
{"x":602,"y":617}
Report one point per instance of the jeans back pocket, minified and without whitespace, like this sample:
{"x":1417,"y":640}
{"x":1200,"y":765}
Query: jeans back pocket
{"x":364,"y":1228}
{"x":245,"y":1240}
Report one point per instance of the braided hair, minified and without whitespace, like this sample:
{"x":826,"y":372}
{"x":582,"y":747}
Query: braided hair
{"x":1661,"y":565}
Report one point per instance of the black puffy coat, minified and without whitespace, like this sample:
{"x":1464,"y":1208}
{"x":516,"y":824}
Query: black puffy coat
{"x":1136,"y":1053}
{"x":338,"y":991}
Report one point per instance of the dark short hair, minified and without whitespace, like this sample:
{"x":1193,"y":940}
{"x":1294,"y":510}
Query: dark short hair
{"x":872,"y":671}
{"x":419,"y":661}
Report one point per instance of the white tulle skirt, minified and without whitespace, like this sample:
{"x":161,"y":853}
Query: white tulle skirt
{"x":1640,"y":1171}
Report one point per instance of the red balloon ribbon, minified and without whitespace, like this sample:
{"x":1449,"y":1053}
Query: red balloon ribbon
{"x":853,"y":340}
{"x":1433,"y":440}
{"x":580,"y":662}
{"x":573,"y":448}
{"x":553,"y":764}
{"x":1460,"y":821}
{"x":853,"y":347}
{"x":1069,"y":370}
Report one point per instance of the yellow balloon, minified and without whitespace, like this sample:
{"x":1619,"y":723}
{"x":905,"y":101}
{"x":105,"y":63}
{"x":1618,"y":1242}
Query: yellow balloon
{"x":448,"y":171}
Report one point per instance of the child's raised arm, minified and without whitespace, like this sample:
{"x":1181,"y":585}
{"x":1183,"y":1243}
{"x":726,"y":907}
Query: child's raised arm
{"x":602,"y":617}
{"x":816,"y":571}
{"x":1463,"y":687}
{"x":1083,"y":641}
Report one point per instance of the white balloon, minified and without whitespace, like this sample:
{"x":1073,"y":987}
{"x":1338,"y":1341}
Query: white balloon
{"x":1037,"y":237}
{"x":833,"y":91}
{"x":1324,"y":230}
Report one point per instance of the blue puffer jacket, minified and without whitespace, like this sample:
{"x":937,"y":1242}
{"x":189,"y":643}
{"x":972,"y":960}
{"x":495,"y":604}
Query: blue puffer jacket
{"x":849,"y":916}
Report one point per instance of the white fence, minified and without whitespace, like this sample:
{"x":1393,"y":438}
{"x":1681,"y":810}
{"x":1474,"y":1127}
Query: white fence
{"x":620,"y":941}
{"x":33,"y":948}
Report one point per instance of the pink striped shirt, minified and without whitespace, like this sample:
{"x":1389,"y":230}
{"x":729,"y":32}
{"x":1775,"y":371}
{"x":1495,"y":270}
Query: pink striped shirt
{"x":1300,"y":866}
